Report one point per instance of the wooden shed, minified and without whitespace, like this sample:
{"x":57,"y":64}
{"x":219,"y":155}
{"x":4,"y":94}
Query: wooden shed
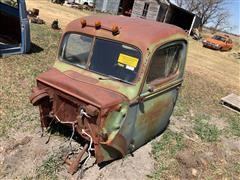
{"x":165,"y":11}
{"x":155,"y":10}
{"x":151,"y":9}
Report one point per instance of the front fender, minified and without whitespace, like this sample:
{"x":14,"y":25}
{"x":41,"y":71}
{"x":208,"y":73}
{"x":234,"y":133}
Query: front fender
{"x":118,"y":136}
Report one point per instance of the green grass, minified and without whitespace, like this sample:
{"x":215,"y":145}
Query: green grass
{"x":50,"y":167}
{"x":204,"y":130}
{"x":237,"y":167}
{"x":164,"y":151}
{"x":181,"y":107}
{"x":234,"y":121}
{"x":170,"y":143}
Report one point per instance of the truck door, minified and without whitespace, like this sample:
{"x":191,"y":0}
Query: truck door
{"x":14,"y":27}
{"x":160,"y":91}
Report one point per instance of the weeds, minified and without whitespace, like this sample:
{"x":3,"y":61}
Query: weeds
{"x":204,"y":130}
{"x":237,"y":167}
{"x":170,"y":143}
{"x":49,"y":168}
{"x":181,"y":107}
{"x":164,"y":150}
{"x":234,"y":123}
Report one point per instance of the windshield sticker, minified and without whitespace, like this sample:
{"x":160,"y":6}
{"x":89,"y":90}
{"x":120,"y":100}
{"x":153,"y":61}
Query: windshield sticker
{"x":129,"y":68}
{"x":129,"y":61}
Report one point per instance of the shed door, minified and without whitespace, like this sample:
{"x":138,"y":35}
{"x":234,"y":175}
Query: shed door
{"x":160,"y":91}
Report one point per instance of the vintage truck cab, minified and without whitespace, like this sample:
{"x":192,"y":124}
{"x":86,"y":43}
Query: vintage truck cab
{"x":14,"y":28}
{"x":115,"y":81}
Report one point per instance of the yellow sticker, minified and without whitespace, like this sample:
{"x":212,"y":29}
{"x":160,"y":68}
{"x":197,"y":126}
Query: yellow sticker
{"x":128,"y":60}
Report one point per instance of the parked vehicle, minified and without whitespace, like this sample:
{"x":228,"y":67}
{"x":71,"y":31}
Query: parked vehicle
{"x":82,"y":2}
{"x":116,"y":86}
{"x":218,"y":42}
{"x":14,"y":31}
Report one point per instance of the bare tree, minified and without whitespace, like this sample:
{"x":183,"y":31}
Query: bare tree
{"x":221,"y":22}
{"x":209,"y":11}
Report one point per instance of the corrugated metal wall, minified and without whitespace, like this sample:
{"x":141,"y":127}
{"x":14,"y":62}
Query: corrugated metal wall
{"x":110,"y":6}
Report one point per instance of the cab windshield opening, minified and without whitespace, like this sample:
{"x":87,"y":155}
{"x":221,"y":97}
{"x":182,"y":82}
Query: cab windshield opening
{"x":106,"y":57}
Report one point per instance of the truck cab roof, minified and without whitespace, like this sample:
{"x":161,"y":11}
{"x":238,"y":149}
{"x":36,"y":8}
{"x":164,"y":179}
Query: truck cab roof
{"x":136,"y":31}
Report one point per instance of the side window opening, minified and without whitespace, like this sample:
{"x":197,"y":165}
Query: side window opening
{"x":77,"y":49}
{"x":165,"y":62}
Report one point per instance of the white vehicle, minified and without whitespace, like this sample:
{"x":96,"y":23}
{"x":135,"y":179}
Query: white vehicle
{"x":85,"y":2}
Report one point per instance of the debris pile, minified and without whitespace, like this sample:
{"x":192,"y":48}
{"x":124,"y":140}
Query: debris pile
{"x":34,"y":16}
{"x":55,"y":25}
{"x":236,"y":55}
{"x":78,"y":6}
{"x":196,"y":34}
{"x":33,"y":13}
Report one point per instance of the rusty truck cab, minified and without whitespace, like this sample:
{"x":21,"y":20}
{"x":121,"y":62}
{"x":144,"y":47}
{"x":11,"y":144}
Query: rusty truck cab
{"x":115,"y":81}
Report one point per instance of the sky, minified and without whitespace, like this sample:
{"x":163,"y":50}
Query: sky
{"x":234,"y":8}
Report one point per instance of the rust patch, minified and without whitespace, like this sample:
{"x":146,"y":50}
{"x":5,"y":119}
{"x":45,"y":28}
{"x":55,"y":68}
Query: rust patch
{"x":38,"y":95}
{"x":62,"y":99}
{"x":89,"y":93}
{"x":80,"y":77}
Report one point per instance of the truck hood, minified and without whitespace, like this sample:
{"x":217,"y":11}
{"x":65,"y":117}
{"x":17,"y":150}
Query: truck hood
{"x":90,"y":93}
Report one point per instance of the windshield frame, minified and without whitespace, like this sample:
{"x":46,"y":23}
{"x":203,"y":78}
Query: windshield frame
{"x":87,"y":68}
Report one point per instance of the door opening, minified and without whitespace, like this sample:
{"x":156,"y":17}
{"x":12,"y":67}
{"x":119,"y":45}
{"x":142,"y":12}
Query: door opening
{"x":125,"y":7}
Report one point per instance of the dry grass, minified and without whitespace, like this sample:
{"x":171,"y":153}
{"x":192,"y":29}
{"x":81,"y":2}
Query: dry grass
{"x":215,"y":66}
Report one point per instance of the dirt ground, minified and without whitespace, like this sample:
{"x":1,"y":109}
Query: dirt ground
{"x":24,"y":154}
{"x":50,"y":11}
